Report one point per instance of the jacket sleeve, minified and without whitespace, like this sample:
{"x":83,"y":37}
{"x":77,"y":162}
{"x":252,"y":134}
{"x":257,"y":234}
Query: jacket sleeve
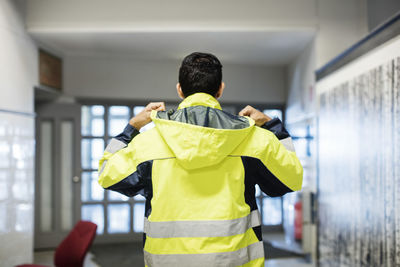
{"x":118,"y":170}
{"x":278,"y":171}
{"x":276,"y":126}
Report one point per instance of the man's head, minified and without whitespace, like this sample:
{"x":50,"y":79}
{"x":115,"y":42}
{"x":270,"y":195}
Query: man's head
{"x":200,"y":73}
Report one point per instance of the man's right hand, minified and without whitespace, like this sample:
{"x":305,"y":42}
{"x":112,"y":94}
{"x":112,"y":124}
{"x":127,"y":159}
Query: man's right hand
{"x":259,"y":117}
{"x":143,"y":117}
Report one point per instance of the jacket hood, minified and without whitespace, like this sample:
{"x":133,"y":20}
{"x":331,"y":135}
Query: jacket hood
{"x":197,"y":146}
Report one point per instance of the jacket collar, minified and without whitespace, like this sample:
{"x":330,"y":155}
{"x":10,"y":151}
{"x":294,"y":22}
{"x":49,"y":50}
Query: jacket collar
{"x":200,"y":99}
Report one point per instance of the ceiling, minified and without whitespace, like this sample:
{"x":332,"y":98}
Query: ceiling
{"x":257,"y":47}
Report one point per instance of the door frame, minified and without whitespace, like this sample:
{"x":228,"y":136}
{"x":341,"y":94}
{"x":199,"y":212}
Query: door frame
{"x":56,"y":113}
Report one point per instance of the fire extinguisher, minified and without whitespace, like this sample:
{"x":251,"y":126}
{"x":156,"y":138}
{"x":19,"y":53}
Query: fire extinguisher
{"x":298,"y":220}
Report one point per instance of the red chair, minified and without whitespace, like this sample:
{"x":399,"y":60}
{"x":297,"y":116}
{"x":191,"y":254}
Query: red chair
{"x":72,"y":250}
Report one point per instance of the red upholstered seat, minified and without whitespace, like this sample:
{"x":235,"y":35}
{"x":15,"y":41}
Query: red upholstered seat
{"x":72,"y":250}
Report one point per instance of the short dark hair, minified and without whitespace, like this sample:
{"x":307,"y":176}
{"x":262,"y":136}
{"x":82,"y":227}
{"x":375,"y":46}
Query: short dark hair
{"x":200,"y":72}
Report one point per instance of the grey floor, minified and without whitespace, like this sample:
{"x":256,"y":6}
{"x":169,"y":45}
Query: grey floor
{"x":290,"y":262}
{"x":130,"y":254}
{"x":46,"y":258}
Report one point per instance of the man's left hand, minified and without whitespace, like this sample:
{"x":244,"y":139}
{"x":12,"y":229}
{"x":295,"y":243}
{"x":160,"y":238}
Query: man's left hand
{"x":143,"y":117}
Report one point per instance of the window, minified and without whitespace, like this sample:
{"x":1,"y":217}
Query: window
{"x":274,"y":113}
{"x":113,"y":212}
{"x":271,"y":208}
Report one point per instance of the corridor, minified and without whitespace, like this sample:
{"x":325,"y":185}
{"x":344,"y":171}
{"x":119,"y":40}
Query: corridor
{"x":312,"y":175}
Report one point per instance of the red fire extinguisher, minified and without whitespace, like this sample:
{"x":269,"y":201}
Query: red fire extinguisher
{"x":298,"y":220}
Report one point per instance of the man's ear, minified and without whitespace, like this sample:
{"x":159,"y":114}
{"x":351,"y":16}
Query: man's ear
{"x":179,"y":91}
{"x":220,"y":90}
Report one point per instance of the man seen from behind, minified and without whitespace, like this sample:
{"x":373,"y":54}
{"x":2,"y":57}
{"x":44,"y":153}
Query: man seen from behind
{"x":198,"y":168}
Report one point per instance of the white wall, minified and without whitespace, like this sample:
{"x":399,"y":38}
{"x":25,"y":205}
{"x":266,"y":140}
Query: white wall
{"x":341,"y":23}
{"x":361,"y":97}
{"x":117,"y":15}
{"x":116,"y":78}
{"x":18,"y":75}
{"x":381,"y":10}
{"x":378,"y":56}
{"x":301,"y":80}
{"x":19,"y":63}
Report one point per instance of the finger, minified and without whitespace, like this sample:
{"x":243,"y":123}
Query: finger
{"x":154,"y":105}
{"x":162,"y":107}
{"x":242,"y":112}
{"x":246,"y":111}
{"x":268,"y":117}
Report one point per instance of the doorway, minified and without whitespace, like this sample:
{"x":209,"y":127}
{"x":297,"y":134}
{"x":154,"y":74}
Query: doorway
{"x":56,"y":173}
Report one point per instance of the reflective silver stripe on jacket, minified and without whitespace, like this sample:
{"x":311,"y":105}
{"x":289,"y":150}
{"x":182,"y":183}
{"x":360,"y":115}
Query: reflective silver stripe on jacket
{"x":214,"y":228}
{"x":288,"y":143}
{"x":231,"y":258}
{"x":102,"y":167}
{"x":115,"y":145}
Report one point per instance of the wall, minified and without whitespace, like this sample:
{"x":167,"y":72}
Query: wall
{"x":340,"y":23}
{"x":19,"y":53}
{"x":301,"y":80}
{"x":116,"y":78}
{"x":300,"y":122}
{"x":18,"y":75}
{"x":381,"y":10}
{"x":103,"y":15}
{"x":359,"y":166}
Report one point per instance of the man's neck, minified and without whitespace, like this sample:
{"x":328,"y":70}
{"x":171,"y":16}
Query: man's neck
{"x":200,"y":99}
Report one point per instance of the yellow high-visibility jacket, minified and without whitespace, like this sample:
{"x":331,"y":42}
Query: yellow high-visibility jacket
{"x":197,"y":169}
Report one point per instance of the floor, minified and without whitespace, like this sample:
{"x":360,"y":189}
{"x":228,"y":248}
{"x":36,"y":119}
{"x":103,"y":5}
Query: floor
{"x":291,"y":262}
{"x":130,"y":254}
{"x":278,"y":240}
{"x":277,"y":251}
{"x":46,"y":258}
